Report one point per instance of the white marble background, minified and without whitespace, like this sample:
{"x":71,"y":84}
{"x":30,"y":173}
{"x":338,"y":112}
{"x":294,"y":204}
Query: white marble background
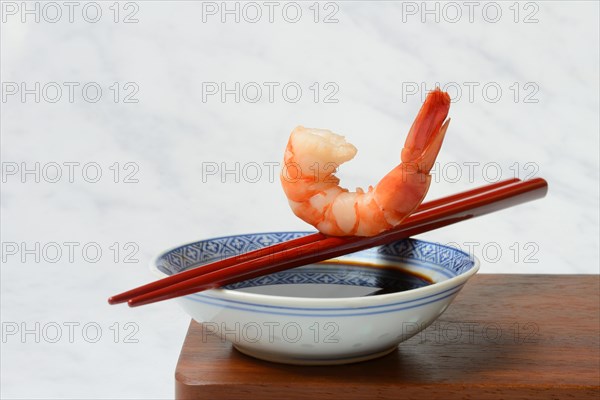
{"x":375,"y":54}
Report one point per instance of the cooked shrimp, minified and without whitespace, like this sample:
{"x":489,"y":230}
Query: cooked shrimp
{"x":313,"y":155}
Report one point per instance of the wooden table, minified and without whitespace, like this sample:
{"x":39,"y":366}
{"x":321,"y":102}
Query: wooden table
{"x":504,"y":336}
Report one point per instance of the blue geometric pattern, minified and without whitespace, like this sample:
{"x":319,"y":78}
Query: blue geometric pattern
{"x":207,"y":251}
{"x":449,"y":258}
{"x":192,"y":255}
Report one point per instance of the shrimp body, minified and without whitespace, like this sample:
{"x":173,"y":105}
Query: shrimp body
{"x":313,"y":155}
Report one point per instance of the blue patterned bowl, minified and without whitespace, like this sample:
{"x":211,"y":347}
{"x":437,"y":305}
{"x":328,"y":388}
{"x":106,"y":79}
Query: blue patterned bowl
{"x":354,"y":308}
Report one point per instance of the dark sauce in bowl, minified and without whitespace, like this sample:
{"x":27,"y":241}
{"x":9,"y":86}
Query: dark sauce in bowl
{"x":335,"y":280}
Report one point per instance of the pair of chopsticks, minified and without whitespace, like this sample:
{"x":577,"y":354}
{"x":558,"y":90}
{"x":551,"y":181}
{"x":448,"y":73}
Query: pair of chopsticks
{"x":318,"y":247}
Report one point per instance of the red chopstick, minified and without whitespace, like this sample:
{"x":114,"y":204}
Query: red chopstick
{"x":271,"y":250}
{"x":330,"y":247}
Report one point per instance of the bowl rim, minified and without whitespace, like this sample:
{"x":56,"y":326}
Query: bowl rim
{"x":258,"y":299}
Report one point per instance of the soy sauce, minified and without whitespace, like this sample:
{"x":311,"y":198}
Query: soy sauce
{"x":336,"y":280}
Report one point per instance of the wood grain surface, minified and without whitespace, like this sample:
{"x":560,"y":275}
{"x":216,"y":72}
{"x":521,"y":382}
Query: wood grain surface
{"x":504,"y":336}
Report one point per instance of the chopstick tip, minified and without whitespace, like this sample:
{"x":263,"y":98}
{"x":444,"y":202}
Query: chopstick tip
{"x":132,"y":303}
{"x":117,"y":299}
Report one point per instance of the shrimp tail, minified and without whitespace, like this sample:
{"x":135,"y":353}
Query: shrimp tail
{"x":427,"y":132}
{"x":401,"y":191}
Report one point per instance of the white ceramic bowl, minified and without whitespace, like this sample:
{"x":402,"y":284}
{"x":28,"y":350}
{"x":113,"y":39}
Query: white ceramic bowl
{"x":357,"y":309}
